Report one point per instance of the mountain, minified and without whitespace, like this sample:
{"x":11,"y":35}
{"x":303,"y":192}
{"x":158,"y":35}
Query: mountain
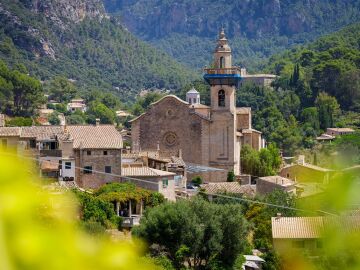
{"x":76,"y":39}
{"x":186,"y":29}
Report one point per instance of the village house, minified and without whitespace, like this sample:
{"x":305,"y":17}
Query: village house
{"x":151,"y":179}
{"x":302,"y":172}
{"x":252,"y":262}
{"x":207,"y":135}
{"x":89,"y":156}
{"x":155,"y":164}
{"x":268,"y":184}
{"x":339,"y":131}
{"x":257,"y":79}
{"x":299,"y":234}
{"x":77,"y":104}
{"x":332,"y":133}
{"x":211,"y":189}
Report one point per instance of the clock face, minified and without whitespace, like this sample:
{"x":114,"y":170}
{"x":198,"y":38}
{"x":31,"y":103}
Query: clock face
{"x":170,"y":138}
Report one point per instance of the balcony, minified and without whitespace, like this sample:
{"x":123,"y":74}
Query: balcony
{"x":222,"y":76}
{"x":129,"y":222}
{"x":51,"y":153}
{"x":223,"y":71}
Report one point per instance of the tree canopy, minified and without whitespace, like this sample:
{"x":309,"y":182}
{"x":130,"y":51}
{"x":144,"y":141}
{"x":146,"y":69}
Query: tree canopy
{"x":196,"y":232}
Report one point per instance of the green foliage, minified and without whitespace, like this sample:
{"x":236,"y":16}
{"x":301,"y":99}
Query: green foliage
{"x":164,"y":262}
{"x":19,"y":122}
{"x":54,"y":118}
{"x":101,"y":111}
{"x":20,"y":94}
{"x":96,"y":53}
{"x":77,"y":118}
{"x":197,"y":181}
{"x":265,"y":162}
{"x":328,"y":108}
{"x":61,"y":89}
{"x":230,"y":176}
{"x":330,"y":65}
{"x":221,"y":236}
{"x":256,"y":29}
{"x":93,"y":227}
{"x":155,"y":199}
{"x":348,"y":146}
{"x":122,"y":192}
{"x":143,"y":102}
{"x":97,"y":211}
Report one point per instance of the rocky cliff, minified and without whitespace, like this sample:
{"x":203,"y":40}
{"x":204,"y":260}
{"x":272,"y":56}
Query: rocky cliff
{"x":258,"y":28}
{"x":75,"y":38}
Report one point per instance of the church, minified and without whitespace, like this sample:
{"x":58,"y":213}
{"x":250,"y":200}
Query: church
{"x":210,"y":136}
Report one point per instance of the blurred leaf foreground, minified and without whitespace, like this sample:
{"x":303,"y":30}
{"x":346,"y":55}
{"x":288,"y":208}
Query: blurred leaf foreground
{"x":39,"y":228}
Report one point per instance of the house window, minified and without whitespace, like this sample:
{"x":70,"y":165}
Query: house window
{"x":4,"y":143}
{"x":32,"y":143}
{"x":67,"y":165}
{"x":298,"y":243}
{"x":222,"y":62}
{"x":87,"y":170}
{"x":221,"y":98}
{"x":88,"y":153}
{"x":165,"y":182}
{"x":107,"y":169}
{"x":105,"y":153}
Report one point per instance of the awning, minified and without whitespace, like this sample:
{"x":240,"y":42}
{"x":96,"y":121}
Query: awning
{"x":49,"y":166}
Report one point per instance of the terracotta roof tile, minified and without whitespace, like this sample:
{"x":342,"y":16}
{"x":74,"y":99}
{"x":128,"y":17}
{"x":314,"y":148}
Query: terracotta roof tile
{"x":229,"y":187}
{"x":297,"y":227}
{"x":41,"y":132}
{"x":144,"y":171}
{"x":95,"y":137}
{"x":311,"y":227}
{"x":10,"y":131}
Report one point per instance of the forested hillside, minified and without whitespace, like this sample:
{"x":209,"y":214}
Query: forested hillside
{"x":318,"y":87}
{"x":186,"y":29}
{"x":77,"y":40}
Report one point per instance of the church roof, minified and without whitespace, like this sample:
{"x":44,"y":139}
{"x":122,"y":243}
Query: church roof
{"x":192,"y":91}
{"x":166,"y":97}
{"x":199,"y":106}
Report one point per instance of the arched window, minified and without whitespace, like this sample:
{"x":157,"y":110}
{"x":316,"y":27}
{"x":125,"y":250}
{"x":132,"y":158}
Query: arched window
{"x":221,"y":98}
{"x":222,"y":62}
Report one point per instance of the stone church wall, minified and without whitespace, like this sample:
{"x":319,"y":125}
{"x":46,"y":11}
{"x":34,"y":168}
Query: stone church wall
{"x":171,"y":125}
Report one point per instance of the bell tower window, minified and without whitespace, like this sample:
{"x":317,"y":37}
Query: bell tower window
{"x":222,"y":62}
{"x":221,"y":98}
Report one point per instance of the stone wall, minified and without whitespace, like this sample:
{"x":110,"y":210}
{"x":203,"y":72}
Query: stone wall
{"x":172,"y":126}
{"x":98,"y":161}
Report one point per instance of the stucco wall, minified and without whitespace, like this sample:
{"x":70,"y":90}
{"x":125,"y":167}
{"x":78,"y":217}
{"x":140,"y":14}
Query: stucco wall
{"x":304,"y":174}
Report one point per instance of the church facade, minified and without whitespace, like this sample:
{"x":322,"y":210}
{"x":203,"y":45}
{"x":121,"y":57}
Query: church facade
{"x":210,"y":136}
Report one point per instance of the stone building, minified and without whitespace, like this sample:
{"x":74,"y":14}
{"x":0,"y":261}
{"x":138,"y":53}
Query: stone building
{"x":257,"y":79}
{"x":88,"y":155}
{"x":207,"y":135}
{"x":267,"y":184}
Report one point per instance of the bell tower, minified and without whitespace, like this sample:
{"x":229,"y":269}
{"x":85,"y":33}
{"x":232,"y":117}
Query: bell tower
{"x":223,"y":79}
{"x":222,"y":54}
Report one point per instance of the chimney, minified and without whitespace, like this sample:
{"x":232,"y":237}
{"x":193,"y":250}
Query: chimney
{"x":180,"y":153}
{"x":278,"y":215}
{"x":97,"y":121}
